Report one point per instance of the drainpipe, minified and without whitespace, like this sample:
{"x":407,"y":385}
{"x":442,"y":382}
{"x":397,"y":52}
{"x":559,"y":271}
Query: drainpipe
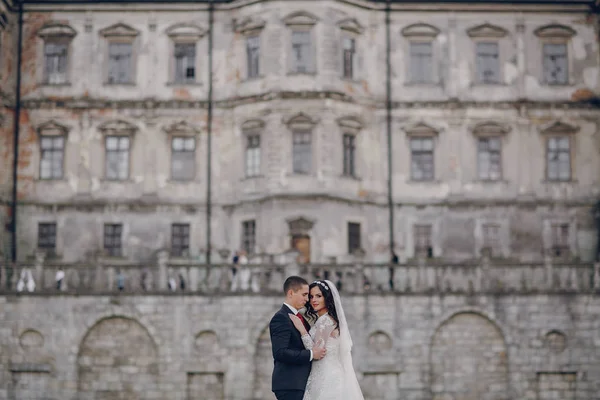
{"x":16,"y":126}
{"x":209,"y":133}
{"x":393,"y":257}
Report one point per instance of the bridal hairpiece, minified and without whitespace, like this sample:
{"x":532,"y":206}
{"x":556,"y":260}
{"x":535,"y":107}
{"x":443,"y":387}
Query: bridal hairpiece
{"x":322,"y":284}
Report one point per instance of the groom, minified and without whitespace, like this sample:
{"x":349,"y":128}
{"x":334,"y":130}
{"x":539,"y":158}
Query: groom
{"x":292,"y":360}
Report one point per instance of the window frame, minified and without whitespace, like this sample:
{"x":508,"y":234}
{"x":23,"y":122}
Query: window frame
{"x":302,"y":123}
{"x":490,"y":130}
{"x":56,"y":33}
{"x":560,"y":130}
{"x":108,"y":250}
{"x":182,"y":250}
{"x":418,"y":34}
{"x":185,"y":138}
{"x":182,"y":34}
{"x":119,"y":129}
{"x":52,"y":130}
{"x":252,"y":128}
{"x":48,"y":249}
{"x":551,"y":35}
{"x":487,"y":33}
{"x":418,"y":247}
{"x":248,"y":236}
{"x":350,"y":240}
{"x":301,"y":21}
{"x":121,"y":34}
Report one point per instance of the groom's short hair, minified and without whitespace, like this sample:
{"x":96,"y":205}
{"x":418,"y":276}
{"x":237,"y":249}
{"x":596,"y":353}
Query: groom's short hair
{"x":294,"y":283}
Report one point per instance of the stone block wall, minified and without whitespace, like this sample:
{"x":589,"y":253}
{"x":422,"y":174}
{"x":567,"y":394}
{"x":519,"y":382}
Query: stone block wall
{"x":416,"y":347}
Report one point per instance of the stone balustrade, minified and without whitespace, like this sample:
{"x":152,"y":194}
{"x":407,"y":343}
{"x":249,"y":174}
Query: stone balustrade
{"x":180,"y":277}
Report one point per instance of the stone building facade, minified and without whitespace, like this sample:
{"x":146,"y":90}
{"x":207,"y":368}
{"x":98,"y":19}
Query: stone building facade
{"x":494,"y":139}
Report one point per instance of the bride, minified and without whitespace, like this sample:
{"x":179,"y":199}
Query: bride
{"x":333,"y":377}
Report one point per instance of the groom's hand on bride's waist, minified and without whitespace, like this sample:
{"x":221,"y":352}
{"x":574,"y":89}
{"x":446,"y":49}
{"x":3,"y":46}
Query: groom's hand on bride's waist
{"x":319,"y":352}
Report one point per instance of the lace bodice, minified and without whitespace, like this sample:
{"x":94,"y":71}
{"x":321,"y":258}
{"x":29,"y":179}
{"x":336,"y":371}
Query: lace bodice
{"x":326,"y":377}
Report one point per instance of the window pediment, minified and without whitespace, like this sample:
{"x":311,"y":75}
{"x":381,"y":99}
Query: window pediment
{"x":117,"y":127}
{"x":300,"y":18}
{"x":249,"y":24}
{"x":487,"y":31}
{"x":181,"y":128}
{"x":490,"y":128}
{"x":56,"y":29}
{"x":300,"y":121}
{"x":421,"y":129}
{"x":185,"y":31}
{"x":350,"y":123}
{"x":253,"y":125}
{"x":351,"y":25}
{"x":555,"y":31}
{"x":559,"y":127}
{"x":119,"y":30}
{"x":52,"y":128}
{"x":420,"y":30}
{"x":300,"y":226}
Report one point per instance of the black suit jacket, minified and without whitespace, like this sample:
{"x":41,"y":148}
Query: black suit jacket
{"x":292,"y":360}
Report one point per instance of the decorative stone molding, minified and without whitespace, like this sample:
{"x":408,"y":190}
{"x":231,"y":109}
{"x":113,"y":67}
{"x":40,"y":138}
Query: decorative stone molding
{"x":555,"y":31}
{"x":253,"y":125}
{"x":350,"y":123}
{"x":421,"y":129}
{"x":559,"y":127}
{"x":490,"y":128}
{"x":181,"y":127}
{"x":52,"y":128}
{"x":487,"y":31}
{"x":185,"y":31}
{"x":300,"y":121}
{"x":248,"y":25}
{"x":119,"y":30}
{"x":300,"y":18}
{"x":118,"y":127}
{"x":420,"y":30}
{"x":56,"y":29}
{"x":351,"y":25}
{"x":300,"y":225}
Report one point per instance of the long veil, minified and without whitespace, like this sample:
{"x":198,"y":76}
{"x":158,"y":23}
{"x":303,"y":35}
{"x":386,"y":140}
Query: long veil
{"x":351,"y":387}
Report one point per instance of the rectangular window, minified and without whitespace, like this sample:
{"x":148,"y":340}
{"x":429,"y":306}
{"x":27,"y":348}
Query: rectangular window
{"x":249,"y":236}
{"x":489,"y":158}
{"x":422,"y":238}
{"x":421,"y":62}
{"x":301,"y":52}
{"x":180,"y":240}
{"x":185,"y":62}
{"x":491,"y":237}
{"x":117,"y":157}
{"x":120,"y":64}
{"x":559,"y":159}
{"x":112,"y":239}
{"x":349,"y":55}
{"x":55,"y":63}
{"x":556,"y":64}
{"x":349,"y":153}
{"x":252,"y":155}
{"x":253,"y":56}
{"x":560,"y":239}
{"x":51,"y":157}
{"x":47,"y":236}
{"x":183,"y":158}
{"x":421,"y":159}
{"x":353,"y":237}
{"x":488,"y":62}
{"x":302,"y":155}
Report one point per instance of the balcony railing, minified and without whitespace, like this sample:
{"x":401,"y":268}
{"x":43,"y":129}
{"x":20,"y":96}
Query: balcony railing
{"x":181,"y":278}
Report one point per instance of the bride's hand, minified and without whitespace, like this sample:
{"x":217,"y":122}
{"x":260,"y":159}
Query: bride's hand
{"x":298,"y":324}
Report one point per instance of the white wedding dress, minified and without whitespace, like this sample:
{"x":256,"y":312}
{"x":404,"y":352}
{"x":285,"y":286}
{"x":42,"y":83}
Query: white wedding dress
{"x":326,"y":378}
{"x":333,"y":376}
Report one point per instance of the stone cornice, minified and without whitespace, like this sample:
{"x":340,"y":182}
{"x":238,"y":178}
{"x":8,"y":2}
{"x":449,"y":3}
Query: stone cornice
{"x":150,"y":104}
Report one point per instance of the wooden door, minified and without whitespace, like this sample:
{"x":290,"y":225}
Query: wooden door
{"x":302,"y":245}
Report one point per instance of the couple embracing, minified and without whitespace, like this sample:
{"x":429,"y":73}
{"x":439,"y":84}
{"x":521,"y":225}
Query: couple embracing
{"x":312,"y":362}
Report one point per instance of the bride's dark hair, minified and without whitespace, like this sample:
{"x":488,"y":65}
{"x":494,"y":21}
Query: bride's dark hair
{"x":329,"y":302}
